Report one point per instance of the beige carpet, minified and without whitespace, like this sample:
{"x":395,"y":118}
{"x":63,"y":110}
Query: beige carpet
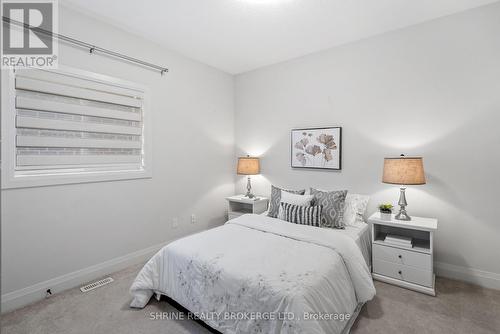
{"x":458,"y":308}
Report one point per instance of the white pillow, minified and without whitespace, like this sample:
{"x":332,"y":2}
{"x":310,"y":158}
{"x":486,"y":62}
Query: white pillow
{"x":303,"y":200}
{"x":354,"y":209}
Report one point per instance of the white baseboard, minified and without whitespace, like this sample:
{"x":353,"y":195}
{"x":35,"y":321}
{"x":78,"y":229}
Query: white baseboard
{"x":25,"y":296}
{"x":482,"y":278}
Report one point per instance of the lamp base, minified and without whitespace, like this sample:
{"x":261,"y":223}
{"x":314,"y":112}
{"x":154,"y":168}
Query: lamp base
{"x":402,"y":215}
{"x":249,"y":189}
{"x":249,"y":195}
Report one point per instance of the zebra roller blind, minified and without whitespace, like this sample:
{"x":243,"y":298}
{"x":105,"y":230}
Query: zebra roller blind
{"x":66,"y":122}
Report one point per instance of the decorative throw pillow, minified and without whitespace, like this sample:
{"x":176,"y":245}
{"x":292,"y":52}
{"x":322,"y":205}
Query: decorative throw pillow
{"x":274,"y":203}
{"x":333,"y":207}
{"x":299,"y":214}
{"x":304,"y":200}
{"x":354,"y":209}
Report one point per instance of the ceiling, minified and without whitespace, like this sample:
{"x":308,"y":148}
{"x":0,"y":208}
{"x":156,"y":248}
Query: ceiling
{"x":241,"y":35}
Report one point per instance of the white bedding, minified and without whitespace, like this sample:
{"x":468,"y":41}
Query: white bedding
{"x":361,"y":236}
{"x":360,"y":233}
{"x":256,"y":266}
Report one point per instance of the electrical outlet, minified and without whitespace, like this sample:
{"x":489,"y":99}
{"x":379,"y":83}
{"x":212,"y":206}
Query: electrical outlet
{"x":175,"y":222}
{"x":193,"y":219}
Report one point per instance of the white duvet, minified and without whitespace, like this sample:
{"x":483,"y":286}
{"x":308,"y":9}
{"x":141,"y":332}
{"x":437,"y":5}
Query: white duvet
{"x":257,"y":274}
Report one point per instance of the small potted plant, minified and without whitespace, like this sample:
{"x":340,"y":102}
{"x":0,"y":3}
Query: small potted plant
{"x":385,"y":211}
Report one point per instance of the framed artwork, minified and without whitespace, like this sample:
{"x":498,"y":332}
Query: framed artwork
{"x":317,"y":148}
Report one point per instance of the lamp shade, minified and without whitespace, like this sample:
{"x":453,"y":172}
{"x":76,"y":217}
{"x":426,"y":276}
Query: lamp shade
{"x":248,"y":166}
{"x":404,"y":171}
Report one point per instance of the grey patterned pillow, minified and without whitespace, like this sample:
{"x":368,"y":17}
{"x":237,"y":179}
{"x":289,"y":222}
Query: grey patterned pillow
{"x":333,"y":203}
{"x":274,"y":204}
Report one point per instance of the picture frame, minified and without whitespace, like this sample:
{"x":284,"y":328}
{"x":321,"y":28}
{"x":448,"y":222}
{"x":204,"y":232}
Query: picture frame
{"x":316,"y":148}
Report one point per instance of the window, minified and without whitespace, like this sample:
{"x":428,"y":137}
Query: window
{"x":70,"y":126}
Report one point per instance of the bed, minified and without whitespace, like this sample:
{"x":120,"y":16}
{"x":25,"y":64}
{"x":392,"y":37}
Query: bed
{"x":257,"y":274}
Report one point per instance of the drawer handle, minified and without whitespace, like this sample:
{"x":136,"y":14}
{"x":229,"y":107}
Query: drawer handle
{"x":400,"y":272}
{"x":400,"y":256}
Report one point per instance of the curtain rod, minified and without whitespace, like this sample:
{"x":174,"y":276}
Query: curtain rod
{"x":92,"y":48}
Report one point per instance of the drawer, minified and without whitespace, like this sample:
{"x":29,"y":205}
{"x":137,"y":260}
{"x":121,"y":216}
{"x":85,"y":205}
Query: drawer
{"x":401,"y":256}
{"x":402,"y":272}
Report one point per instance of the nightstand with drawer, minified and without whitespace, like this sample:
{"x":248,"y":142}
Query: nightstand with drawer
{"x":410,"y":266}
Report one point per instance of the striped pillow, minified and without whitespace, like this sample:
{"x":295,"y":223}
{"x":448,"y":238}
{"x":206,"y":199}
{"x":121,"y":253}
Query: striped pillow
{"x":298,"y":214}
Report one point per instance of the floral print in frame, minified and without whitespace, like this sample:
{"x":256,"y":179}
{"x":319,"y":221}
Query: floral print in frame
{"x":316,"y":148}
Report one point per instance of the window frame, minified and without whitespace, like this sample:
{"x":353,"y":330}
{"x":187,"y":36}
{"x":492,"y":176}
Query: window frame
{"x":12,"y":178}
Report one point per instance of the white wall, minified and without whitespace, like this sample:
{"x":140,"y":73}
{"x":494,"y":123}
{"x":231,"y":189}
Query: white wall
{"x":431,"y":90}
{"x":52,"y":231}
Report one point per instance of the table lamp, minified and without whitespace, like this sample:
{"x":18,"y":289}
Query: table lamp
{"x":403,"y":171}
{"x":248,"y":166}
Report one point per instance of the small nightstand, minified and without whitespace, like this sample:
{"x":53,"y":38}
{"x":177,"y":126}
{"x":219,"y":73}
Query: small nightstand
{"x":239,"y":205}
{"x":410,"y":268}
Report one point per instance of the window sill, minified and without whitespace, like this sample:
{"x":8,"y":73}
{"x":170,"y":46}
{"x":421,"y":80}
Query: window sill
{"x":52,"y":178}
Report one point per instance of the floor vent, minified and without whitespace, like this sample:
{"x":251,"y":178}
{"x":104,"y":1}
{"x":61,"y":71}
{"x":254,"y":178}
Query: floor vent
{"x":96,"y":284}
